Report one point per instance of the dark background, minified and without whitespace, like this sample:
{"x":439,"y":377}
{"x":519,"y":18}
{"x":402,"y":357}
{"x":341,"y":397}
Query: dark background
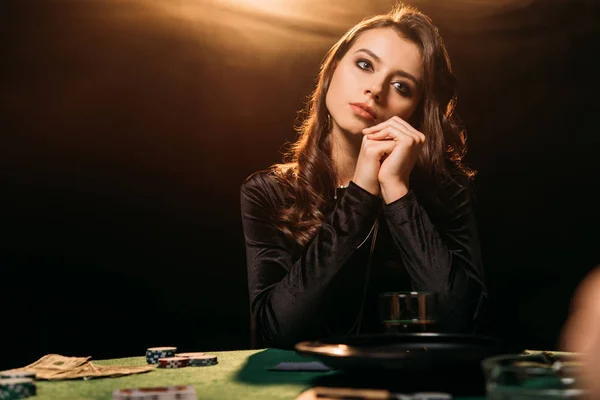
{"x":128,"y":126}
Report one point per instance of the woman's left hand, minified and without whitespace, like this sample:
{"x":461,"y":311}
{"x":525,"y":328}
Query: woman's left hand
{"x":396,"y":167}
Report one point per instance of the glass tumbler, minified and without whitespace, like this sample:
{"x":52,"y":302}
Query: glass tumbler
{"x":409,"y":312}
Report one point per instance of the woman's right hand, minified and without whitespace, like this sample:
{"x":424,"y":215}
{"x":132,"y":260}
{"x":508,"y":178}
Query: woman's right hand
{"x":372,"y":153}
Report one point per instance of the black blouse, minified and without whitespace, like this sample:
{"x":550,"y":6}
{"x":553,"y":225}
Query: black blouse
{"x":322,"y":289}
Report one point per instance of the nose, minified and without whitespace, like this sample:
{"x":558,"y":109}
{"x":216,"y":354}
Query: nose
{"x":375,"y":91}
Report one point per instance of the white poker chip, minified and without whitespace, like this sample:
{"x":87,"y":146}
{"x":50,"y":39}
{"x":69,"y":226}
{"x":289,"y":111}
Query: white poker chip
{"x":18,"y":374}
{"x":195,"y":354}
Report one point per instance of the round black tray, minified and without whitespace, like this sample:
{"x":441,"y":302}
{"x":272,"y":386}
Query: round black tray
{"x":400,"y":351}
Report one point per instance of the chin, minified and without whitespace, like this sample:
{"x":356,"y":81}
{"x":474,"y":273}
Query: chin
{"x":352,"y":132}
{"x":354,"y":128}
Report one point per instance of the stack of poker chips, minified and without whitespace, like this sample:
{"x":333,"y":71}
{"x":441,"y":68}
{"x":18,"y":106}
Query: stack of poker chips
{"x":153,"y":354}
{"x":156,"y":393}
{"x":17,"y":385}
{"x":166,"y":357}
{"x":199,"y":359}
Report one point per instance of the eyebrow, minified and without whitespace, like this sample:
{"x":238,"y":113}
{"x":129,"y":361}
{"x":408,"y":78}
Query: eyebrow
{"x":398,"y":72}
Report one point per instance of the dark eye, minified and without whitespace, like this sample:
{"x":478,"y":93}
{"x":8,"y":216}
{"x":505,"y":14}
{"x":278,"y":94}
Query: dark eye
{"x":364,"y":64}
{"x":402,"y":88}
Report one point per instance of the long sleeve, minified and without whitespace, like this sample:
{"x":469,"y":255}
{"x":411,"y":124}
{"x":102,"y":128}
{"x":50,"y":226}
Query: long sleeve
{"x":440,"y":250}
{"x":287,"y":294}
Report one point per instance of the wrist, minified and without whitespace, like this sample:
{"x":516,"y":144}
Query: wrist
{"x":367,"y":184}
{"x":392,"y":191}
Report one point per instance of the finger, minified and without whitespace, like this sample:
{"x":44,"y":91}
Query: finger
{"x":378,"y":143}
{"x":398,"y":120}
{"x":380,"y":147}
{"x":407,"y":128}
{"x":395,"y":120}
{"x":376,"y":128}
{"x":388,"y":133}
{"x":393,"y":133}
{"x":398,"y":123}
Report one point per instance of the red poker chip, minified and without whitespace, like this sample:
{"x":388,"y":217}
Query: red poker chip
{"x":173,"y":362}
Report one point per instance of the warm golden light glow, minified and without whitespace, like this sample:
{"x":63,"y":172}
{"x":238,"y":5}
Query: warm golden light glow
{"x":341,"y":349}
{"x":324,"y":20}
{"x":269,"y":6}
{"x":262,"y":33}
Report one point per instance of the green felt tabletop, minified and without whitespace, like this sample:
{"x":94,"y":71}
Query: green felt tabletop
{"x":242,"y":374}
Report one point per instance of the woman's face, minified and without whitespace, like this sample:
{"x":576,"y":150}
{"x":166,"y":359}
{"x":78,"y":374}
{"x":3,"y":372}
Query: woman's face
{"x":378,"y":78}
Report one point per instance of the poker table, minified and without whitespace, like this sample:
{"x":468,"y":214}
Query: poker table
{"x":239,"y":374}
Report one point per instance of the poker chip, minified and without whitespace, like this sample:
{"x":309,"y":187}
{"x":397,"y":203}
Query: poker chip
{"x":156,"y":393}
{"x":173,"y":362}
{"x":16,"y":388}
{"x":189,"y":354}
{"x":203,"y":360}
{"x":18,"y":374}
{"x":153,"y":354}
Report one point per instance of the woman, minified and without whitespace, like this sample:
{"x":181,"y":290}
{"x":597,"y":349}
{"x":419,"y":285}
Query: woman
{"x":374,"y":196}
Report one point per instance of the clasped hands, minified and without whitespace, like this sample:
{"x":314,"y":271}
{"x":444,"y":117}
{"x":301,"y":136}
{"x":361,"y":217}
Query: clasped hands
{"x":388,"y":153}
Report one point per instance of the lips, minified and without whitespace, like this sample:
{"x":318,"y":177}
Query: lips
{"x":363,"y":110}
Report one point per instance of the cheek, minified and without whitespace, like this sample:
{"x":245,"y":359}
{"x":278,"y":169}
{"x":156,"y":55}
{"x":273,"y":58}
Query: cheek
{"x":334,"y":88}
{"x":333,"y":94}
{"x":404,"y":108}
{"x":341,"y":84}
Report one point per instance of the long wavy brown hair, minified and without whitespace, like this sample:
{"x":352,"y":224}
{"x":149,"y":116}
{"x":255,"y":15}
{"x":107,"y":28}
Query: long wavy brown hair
{"x":308,"y":174}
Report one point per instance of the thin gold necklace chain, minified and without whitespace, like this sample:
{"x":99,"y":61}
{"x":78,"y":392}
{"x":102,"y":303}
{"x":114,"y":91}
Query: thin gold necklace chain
{"x":335,"y":196}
